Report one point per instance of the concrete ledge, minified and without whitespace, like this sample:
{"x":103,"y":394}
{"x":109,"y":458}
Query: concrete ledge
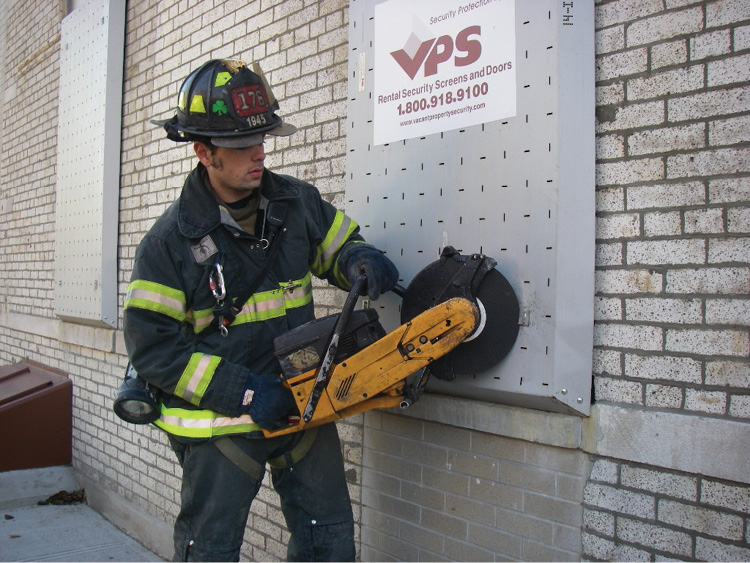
{"x":40,"y":326}
{"x":87,"y":336}
{"x":146,"y":529}
{"x":692,"y":443}
{"x":552,"y":429}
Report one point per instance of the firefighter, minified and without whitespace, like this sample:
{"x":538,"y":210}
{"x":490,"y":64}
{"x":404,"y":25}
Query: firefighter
{"x":195,"y":335}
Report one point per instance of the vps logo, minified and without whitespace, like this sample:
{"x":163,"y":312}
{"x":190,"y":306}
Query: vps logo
{"x":432,"y":52}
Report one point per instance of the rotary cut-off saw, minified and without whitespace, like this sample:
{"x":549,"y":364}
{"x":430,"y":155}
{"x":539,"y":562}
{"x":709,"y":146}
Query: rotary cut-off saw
{"x":459,"y":316}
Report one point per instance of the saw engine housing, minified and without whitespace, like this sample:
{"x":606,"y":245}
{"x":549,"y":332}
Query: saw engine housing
{"x":302,"y":348}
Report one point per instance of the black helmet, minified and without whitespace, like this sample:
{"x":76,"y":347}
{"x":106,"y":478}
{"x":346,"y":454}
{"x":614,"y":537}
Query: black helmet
{"x":227,"y":102}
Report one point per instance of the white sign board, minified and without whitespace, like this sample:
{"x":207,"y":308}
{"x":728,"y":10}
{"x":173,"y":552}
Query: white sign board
{"x":442,"y":65}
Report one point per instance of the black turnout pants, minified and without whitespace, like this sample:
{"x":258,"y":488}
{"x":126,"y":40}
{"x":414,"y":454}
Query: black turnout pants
{"x":217,"y":494}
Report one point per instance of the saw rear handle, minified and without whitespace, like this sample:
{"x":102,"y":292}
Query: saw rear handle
{"x":321,"y":376}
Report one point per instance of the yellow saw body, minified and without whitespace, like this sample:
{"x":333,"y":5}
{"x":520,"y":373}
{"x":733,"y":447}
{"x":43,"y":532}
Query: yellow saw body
{"x":375,"y":377}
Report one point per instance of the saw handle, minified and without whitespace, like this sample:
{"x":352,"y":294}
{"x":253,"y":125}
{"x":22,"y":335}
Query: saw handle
{"x":399,"y":290}
{"x":321,"y":377}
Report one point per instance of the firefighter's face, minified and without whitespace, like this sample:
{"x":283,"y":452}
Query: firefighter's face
{"x":233,"y":173}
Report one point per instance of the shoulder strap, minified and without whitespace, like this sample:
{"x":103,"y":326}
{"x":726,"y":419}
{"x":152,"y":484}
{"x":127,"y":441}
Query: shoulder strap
{"x":224,"y":315}
{"x":275,"y":218}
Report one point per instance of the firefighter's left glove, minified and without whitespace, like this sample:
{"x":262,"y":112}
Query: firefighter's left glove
{"x":382,"y":274}
{"x":267,"y":401}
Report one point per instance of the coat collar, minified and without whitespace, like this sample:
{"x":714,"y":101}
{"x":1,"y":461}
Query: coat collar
{"x":198,"y":212}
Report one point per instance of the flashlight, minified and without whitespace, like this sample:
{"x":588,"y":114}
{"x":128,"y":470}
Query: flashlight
{"x":136,"y":401}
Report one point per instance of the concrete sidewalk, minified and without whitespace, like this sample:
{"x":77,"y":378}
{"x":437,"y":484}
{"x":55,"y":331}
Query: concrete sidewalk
{"x":70,"y":532}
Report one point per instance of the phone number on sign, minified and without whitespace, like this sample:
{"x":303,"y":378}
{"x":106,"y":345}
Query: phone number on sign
{"x":447,"y":98}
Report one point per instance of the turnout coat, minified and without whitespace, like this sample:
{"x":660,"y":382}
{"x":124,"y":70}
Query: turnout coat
{"x":170,"y":302}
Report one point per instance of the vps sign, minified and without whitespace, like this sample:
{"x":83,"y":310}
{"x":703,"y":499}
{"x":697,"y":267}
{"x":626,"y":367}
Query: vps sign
{"x":464,"y":49}
{"x":440,"y":65}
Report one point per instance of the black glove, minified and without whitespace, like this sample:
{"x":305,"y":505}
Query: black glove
{"x":382,"y":274}
{"x":271,"y":402}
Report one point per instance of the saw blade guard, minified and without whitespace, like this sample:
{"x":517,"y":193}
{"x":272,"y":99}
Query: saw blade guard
{"x":473,"y":277}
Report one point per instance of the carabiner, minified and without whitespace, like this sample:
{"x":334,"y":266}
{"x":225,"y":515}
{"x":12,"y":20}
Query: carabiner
{"x":216,"y":283}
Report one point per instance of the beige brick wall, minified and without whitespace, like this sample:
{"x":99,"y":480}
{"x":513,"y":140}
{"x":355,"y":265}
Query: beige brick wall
{"x":671,"y":333}
{"x":304,"y":54}
{"x":433,"y":492}
{"x":672,"y":275}
{"x":636,"y":512}
{"x":27,"y":171}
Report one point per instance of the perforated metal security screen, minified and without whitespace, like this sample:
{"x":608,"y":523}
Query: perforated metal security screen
{"x":88,"y":162}
{"x":520,"y":190}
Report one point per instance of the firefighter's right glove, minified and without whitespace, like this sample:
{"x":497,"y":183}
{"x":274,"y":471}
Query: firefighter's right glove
{"x":267,"y":401}
{"x":382,"y":274}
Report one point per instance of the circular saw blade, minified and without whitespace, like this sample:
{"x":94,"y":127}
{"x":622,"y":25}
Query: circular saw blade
{"x":493,"y":339}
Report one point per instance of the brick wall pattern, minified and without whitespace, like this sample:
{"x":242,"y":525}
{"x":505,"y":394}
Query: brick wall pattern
{"x":671,"y":333}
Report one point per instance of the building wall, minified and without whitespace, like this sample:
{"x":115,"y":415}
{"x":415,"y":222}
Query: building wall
{"x":27,"y":170}
{"x":659,"y":470}
{"x":434,"y":491}
{"x":671,"y":336}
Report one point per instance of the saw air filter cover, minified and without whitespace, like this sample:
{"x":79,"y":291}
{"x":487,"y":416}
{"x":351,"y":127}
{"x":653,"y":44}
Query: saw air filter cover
{"x":302,"y":348}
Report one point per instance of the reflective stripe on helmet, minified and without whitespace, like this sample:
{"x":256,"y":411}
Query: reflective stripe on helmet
{"x":203,"y":423}
{"x":196,"y":378}
{"x":156,"y":297}
{"x":342,"y":227}
{"x":197,"y":105}
{"x":222,"y":78}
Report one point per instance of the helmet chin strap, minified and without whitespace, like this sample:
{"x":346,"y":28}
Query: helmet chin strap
{"x":173,"y":133}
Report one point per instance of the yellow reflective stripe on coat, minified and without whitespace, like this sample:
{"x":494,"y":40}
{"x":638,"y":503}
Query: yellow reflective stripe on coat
{"x":203,"y":423}
{"x":298,"y":294}
{"x":200,"y":319}
{"x":273,"y":304}
{"x":342,"y":227}
{"x":156,"y":297}
{"x":263,"y":305}
{"x":196,"y":378}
